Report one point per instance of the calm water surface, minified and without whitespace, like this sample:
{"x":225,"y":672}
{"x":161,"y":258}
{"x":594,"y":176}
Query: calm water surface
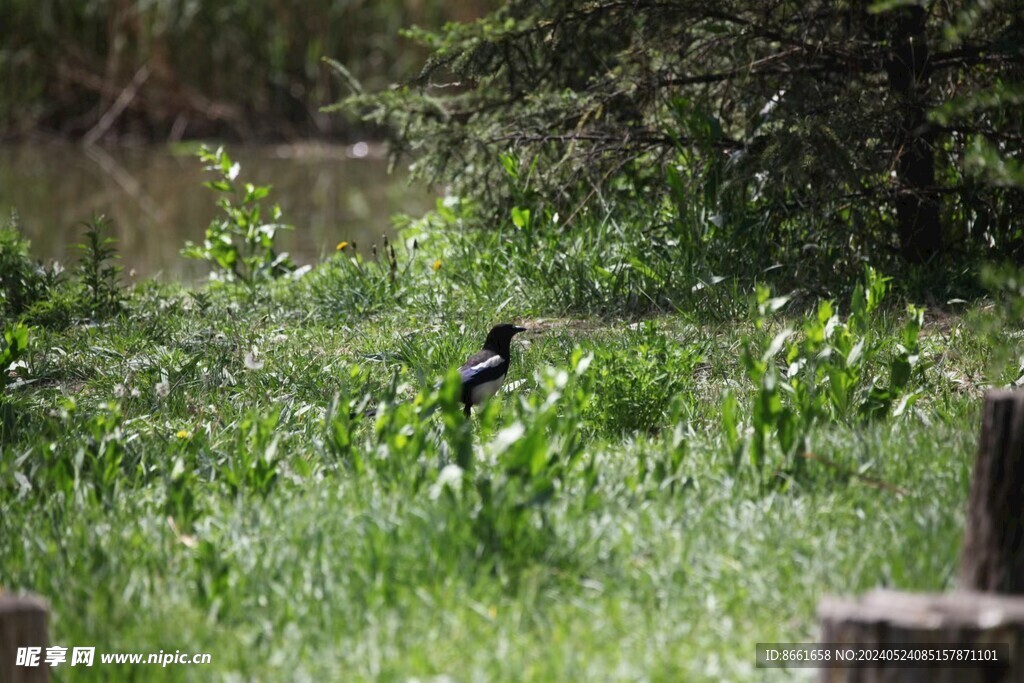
{"x":155,"y":199}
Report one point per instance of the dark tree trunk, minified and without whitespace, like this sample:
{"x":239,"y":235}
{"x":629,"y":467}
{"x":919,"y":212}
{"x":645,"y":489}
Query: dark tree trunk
{"x":993,"y":555}
{"x":917,"y":203}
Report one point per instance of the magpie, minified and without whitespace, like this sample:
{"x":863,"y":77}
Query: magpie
{"x":484,"y":372}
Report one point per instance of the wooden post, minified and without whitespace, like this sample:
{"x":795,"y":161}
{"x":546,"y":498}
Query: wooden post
{"x":22,"y":624}
{"x":893,"y":619}
{"x":989,"y":608}
{"x":993,"y":554}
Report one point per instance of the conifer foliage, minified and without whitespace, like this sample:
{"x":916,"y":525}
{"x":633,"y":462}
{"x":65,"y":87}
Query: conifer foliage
{"x":888,"y":128}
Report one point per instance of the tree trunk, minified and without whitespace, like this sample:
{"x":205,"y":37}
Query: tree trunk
{"x":917,"y":204}
{"x":993,"y":555}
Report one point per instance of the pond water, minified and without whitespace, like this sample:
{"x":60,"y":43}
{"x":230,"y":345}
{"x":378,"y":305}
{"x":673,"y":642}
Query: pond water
{"x":155,"y":199}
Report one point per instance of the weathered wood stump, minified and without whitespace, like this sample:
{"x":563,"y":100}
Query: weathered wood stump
{"x":963,"y":619}
{"x":986,"y":610}
{"x":22,"y":624}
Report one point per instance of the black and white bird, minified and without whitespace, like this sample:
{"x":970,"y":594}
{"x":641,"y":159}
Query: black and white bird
{"x":484,"y":372}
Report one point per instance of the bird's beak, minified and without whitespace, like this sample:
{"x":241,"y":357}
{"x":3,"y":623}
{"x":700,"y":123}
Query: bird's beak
{"x":516,"y":329}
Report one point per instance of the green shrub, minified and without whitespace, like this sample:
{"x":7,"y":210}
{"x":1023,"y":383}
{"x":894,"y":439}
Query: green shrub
{"x":13,"y":346}
{"x":598,"y":264}
{"x":350,"y":285}
{"x":240,"y":245}
{"x":637,"y":380}
{"x":44,"y":296}
{"x":830,"y":371}
{"x":97,"y":272}
{"x":22,"y":281}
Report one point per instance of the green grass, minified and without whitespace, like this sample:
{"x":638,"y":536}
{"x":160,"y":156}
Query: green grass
{"x":184,"y":474}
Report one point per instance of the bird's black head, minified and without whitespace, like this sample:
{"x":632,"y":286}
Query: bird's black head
{"x":500,"y":337}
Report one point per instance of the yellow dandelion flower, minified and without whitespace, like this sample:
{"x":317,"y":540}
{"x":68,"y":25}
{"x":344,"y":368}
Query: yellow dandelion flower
{"x":437,"y":264}
{"x":184,"y":434}
{"x":341,"y":246}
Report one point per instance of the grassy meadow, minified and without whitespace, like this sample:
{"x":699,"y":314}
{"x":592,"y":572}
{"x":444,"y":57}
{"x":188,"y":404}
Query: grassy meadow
{"x":680,"y":468}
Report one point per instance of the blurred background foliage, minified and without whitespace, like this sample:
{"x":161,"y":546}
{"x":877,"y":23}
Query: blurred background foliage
{"x":155,"y":70}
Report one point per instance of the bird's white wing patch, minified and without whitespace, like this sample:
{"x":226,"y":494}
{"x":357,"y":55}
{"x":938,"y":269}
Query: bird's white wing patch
{"x":491,"y":362}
